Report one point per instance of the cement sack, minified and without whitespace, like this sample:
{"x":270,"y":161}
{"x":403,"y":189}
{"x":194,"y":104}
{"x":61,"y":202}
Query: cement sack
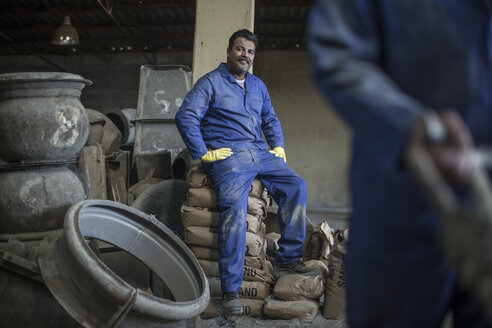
{"x":251,"y":307}
{"x":199,"y":216}
{"x":257,"y":190}
{"x":201,"y":236}
{"x":334,"y":305}
{"x":321,"y":242}
{"x":258,"y":262}
{"x":253,"y":274}
{"x":254,"y":244}
{"x":254,"y":223}
{"x":205,"y":253}
{"x":254,"y":289}
{"x":208,"y":237}
{"x":271,"y":245}
{"x":257,"y":207}
{"x":304,"y":310}
{"x":196,"y":178}
{"x":321,"y":266}
{"x":295,"y":287}
{"x":202,"y":197}
{"x":205,"y":217}
{"x":210,"y":268}
{"x":265,"y":196}
{"x":248,"y":289}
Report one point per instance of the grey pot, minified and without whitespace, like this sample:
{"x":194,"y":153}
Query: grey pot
{"x":42,"y":118}
{"x":36,"y":200}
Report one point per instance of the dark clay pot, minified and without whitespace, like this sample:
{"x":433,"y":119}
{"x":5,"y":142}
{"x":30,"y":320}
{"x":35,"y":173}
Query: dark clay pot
{"x":42,"y":118}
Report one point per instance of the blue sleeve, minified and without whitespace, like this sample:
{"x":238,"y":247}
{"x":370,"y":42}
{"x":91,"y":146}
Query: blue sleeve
{"x":190,"y":114}
{"x":270,"y":125}
{"x":346,"y":50}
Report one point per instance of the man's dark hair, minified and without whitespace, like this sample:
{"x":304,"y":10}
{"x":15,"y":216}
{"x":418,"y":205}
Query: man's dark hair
{"x":248,"y":35}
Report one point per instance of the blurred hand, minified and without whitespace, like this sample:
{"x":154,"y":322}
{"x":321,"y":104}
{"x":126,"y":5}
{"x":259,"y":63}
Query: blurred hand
{"x":453,"y":157}
{"x":217,"y":154}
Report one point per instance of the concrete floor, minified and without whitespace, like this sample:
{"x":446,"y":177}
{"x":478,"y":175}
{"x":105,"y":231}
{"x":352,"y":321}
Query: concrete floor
{"x":249,"y":322}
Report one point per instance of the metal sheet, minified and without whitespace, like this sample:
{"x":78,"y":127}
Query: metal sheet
{"x":161,"y":93}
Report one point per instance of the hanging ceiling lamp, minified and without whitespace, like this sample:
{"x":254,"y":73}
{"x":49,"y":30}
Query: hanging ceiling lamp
{"x":66,"y":34}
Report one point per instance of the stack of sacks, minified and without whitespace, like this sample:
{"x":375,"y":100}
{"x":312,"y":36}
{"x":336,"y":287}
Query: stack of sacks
{"x":334,"y":304}
{"x":329,"y":246}
{"x":200,"y":218}
{"x":296,"y":295}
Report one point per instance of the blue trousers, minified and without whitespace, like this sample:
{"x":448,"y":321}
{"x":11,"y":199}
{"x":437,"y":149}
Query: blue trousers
{"x":232,"y":178}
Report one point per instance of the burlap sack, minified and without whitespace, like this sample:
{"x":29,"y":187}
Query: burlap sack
{"x":257,"y":207}
{"x":205,"y":217}
{"x":257,"y":190}
{"x":210,"y":268}
{"x":321,"y":266}
{"x":254,"y":223}
{"x":196,"y":178}
{"x":294,"y":287}
{"x":304,"y":310}
{"x":258,"y":262}
{"x":208,"y":237}
{"x":253,"y":274}
{"x":251,"y":307}
{"x":254,"y":244}
{"x":201,"y":236}
{"x":201,"y":197}
{"x":334,"y":305}
{"x":199,"y":216}
{"x":248,"y":289}
{"x":271,"y":245}
{"x":254,"y":289}
{"x":205,"y":253}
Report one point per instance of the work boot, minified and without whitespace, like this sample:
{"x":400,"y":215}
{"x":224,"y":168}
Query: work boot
{"x":296,"y":267}
{"x":231,"y":304}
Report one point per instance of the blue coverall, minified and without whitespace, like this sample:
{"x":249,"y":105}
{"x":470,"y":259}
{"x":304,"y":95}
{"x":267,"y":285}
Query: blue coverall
{"x":219,"y":113}
{"x":380,"y":63}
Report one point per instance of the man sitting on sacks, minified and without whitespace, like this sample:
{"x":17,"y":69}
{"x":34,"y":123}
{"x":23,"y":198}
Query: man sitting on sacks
{"x":221,"y":122}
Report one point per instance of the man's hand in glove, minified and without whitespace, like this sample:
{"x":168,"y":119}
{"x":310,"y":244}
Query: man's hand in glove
{"x":217,"y":154}
{"x":279,"y":152}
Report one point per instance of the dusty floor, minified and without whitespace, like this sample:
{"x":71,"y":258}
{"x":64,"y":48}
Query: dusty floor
{"x":249,"y":322}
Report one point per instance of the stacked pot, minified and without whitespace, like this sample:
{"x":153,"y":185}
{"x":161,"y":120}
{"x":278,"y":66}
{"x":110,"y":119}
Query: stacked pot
{"x":43,"y":128}
{"x":200,"y":218}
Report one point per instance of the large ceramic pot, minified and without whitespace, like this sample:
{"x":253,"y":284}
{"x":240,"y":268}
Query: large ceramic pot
{"x":36,"y":200}
{"x":41,"y":117}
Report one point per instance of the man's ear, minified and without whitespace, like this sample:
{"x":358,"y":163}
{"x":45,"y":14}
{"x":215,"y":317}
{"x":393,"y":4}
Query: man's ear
{"x":228,"y":50}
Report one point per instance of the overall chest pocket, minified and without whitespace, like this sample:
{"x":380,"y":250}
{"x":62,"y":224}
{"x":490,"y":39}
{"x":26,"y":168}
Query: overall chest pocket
{"x":255,"y":102}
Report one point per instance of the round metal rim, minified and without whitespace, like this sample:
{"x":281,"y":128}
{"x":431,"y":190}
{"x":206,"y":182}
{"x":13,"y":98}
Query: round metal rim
{"x":136,"y":233}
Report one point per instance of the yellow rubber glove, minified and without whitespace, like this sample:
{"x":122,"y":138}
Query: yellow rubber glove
{"x":279,"y":152}
{"x":215,"y":155}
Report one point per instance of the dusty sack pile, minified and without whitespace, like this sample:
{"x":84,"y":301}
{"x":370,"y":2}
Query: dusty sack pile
{"x":329,"y":247}
{"x":200,"y":218}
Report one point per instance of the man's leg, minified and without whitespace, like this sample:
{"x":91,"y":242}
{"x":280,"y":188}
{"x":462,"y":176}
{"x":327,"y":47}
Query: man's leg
{"x":288,"y":190}
{"x":232,"y":178}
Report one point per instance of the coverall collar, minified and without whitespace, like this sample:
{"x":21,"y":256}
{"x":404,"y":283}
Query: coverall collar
{"x":228,"y":75}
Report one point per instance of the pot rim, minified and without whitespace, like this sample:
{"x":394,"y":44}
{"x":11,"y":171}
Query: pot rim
{"x":22,"y":77}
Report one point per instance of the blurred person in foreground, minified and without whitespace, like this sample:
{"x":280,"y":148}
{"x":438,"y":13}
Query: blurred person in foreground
{"x":381,"y":65}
